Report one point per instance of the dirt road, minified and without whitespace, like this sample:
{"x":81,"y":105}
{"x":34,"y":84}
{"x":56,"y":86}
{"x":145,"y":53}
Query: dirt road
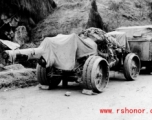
{"x":35,"y":104}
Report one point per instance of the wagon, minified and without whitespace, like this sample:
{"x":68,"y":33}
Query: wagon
{"x":140,"y":42}
{"x":69,"y":58}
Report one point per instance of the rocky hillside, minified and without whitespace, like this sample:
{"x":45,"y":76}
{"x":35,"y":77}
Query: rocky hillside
{"x":75,"y":15}
{"x":68,"y":16}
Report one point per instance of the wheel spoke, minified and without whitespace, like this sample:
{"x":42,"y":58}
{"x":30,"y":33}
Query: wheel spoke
{"x":133,"y":69}
{"x":131,"y":66}
{"x":99,"y":77}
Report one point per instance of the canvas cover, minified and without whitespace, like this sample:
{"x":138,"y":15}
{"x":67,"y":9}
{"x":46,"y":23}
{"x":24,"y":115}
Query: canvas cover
{"x":63,"y":50}
{"x":120,"y":37}
{"x":9,"y":44}
{"x":137,"y":32}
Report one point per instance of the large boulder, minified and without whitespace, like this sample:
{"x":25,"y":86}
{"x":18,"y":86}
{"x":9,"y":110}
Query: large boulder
{"x":69,"y":17}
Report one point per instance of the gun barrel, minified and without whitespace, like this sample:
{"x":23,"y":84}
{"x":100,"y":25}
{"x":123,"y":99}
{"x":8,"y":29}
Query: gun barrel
{"x":24,"y":54}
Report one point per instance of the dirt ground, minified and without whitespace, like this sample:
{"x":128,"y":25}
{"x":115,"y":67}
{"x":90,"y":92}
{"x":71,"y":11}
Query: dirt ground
{"x":35,"y":104}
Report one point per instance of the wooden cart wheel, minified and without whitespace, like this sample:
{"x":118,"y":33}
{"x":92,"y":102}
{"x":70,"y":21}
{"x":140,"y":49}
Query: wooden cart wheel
{"x":43,"y":79}
{"x":95,"y":73}
{"x":131,"y":66}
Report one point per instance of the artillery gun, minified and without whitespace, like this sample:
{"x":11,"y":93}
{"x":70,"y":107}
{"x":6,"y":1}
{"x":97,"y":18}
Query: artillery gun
{"x":70,"y":58}
{"x":66,"y":58}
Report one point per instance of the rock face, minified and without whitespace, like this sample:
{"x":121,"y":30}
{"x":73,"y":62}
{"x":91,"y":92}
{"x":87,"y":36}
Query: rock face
{"x":116,"y":13}
{"x":69,"y":17}
{"x":35,"y":9}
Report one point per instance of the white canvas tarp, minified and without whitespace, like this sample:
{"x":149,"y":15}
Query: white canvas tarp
{"x":63,"y":50}
{"x":120,"y":37}
{"x":9,"y":44}
{"x":136,"y":32}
